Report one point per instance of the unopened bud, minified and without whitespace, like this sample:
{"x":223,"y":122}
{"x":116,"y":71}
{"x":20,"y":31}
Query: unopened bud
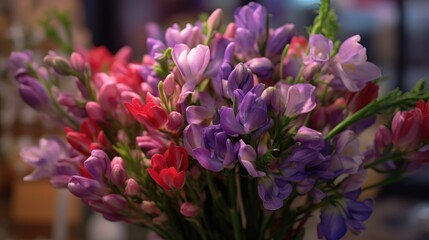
{"x":131,"y":187}
{"x":77,"y":62}
{"x":175,"y":121}
{"x":214,"y":22}
{"x":188,"y":209}
{"x":59,"y":64}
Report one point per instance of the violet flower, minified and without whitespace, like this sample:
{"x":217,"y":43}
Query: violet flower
{"x":320,"y":49}
{"x":18,"y":62}
{"x":346,"y":158}
{"x":99,"y":169}
{"x":347,"y":213}
{"x":210,"y":146}
{"x":277,"y":41}
{"x":248,"y":157}
{"x":190,"y":35}
{"x":273,"y":190}
{"x":350,"y":66}
{"x":252,"y":115}
{"x":261,"y":67}
{"x":34,"y":94}
{"x":240,"y":78}
{"x":253,"y":17}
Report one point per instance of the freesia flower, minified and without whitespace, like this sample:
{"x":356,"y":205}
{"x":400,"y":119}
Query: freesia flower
{"x":350,"y":66}
{"x":151,"y":114}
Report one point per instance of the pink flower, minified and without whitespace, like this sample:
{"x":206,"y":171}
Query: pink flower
{"x":189,"y":209}
{"x":406,"y":130}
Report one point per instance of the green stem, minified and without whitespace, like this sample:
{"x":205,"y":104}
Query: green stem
{"x":233,"y":211}
{"x":393,"y":157}
{"x":282,"y":59}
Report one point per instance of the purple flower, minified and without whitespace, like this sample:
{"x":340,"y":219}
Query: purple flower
{"x":248,"y":157}
{"x":190,"y":35}
{"x":294,"y":99}
{"x":85,"y":188}
{"x":34,"y":94}
{"x":18,"y":62}
{"x":320,"y":49}
{"x":98,"y":167}
{"x":278,"y":40}
{"x":252,"y":17}
{"x":346,"y":213}
{"x":191,"y":64}
{"x":247,"y":47}
{"x":210,"y":146}
{"x":273,"y":190}
{"x":240,"y":78}
{"x":350,"y":66}
{"x":155,"y":47}
{"x":51,"y":159}
{"x":346,"y":158}
{"x":261,"y":67}
{"x":252,"y":115}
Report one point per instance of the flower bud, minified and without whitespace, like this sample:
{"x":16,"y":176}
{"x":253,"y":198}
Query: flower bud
{"x":310,"y":70}
{"x":149,"y":207}
{"x":131,"y":187}
{"x":162,"y":218}
{"x":175,"y":121}
{"x":95,"y":112}
{"x":118,"y":175}
{"x":169,"y":85}
{"x":262,"y":67}
{"x":59,"y":64}
{"x":115,"y":202}
{"x":188,"y":209}
{"x":77,"y":62}
{"x":33,"y":93}
{"x":214,"y":22}
{"x":240,"y":78}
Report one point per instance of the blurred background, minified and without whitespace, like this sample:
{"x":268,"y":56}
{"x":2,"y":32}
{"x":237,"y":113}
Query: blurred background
{"x":395,"y":33}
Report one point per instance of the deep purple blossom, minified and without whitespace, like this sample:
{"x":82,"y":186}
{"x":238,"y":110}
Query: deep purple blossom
{"x":51,"y":159}
{"x":240,"y":78}
{"x":34,"y":94}
{"x":252,"y":115}
{"x":350,"y":66}
{"x":273,"y":190}
{"x":347,"y":213}
{"x":210,"y":146}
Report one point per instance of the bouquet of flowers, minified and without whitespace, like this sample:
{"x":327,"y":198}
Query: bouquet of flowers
{"x":234,"y":131}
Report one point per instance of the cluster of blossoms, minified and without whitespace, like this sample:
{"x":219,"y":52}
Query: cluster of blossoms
{"x":238,"y":134}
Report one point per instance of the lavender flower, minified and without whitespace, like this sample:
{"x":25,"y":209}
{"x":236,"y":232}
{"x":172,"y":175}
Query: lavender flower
{"x":52,"y":159}
{"x":320,"y":49}
{"x":248,"y":157}
{"x":261,"y":67}
{"x":190,"y":35}
{"x":294,"y":99}
{"x":18,"y":62}
{"x":350,"y":66}
{"x":191,"y":64}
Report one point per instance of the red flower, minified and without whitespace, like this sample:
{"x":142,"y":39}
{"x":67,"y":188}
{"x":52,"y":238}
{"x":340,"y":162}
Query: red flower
{"x":88,"y":138}
{"x":358,"y":100}
{"x":406,"y":130}
{"x":150,"y":114}
{"x":424,"y":108}
{"x":100,"y":59}
{"x":168,"y":170}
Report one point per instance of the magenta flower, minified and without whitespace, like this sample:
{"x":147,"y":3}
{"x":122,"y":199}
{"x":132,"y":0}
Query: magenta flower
{"x":350,"y":66}
{"x":406,"y":130}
